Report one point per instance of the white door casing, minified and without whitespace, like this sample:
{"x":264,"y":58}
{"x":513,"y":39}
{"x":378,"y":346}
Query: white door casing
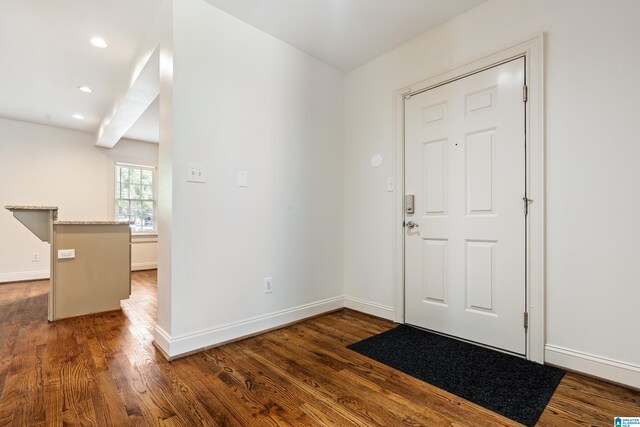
{"x":533,"y":50}
{"x":465,"y":164}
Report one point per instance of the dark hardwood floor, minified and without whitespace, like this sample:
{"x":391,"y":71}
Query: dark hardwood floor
{"x":103,"y":370}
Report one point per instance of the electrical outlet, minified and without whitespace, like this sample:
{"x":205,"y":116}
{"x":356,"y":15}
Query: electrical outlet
{"x":268,"y":285}
{"x":389,"y":184}
{"x":35,"y":257}
{"x":242,"y":179}
{"x":66,"y":253}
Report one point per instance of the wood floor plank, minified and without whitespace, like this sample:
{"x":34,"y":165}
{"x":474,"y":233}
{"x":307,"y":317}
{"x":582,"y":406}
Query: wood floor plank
{"x":103,"y":370}
{"x":53,"y":389}
{"x":29,"y":410}
{"x":310,"y":389}
{"x":345,"y":360}
{"x":203,"y":386}
{"x":328,"y":373}
{"x":268,"y":389}
{"x":233,"y":391}
{"x":388,"y":379}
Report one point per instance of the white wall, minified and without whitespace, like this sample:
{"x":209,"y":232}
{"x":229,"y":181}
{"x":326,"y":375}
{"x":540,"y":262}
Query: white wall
{"x":144,"y":251}
{"x":43,"y":165}
{"x":164,"y":23}
{"x":593,"y":258}
{"x":246,"y":101}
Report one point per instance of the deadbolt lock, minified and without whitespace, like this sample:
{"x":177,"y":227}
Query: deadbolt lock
{"x":409,"y":204}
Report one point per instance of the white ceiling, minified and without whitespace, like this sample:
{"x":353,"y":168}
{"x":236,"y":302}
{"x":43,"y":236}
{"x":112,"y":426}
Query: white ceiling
{"x":45,"y":53}
{"x":345,"y":33}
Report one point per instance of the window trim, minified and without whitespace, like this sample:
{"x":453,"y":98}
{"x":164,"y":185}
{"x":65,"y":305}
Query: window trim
{"x":154,"y":189}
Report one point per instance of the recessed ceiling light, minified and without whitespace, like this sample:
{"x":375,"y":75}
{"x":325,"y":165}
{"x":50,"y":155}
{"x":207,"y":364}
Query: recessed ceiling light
{"x":85,"y":89}
{"x":78,"y":116}
{"x":98,"y":42}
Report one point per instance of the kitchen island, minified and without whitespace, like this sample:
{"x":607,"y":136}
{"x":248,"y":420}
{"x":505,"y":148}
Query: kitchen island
{"x":90,"y":261}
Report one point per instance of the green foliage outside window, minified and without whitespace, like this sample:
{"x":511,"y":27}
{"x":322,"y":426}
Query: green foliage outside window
{"x":135,"y":197}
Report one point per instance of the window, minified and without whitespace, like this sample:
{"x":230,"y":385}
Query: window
{"x":135,"y":197}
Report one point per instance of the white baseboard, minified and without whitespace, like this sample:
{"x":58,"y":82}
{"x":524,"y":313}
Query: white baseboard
{"x":188,"y":343}
{"x":24,"y":276}
{"x":144,"y":266}
{"x":368,"y":307}
{"x":612,"y":370}
{"x":162,"y":339}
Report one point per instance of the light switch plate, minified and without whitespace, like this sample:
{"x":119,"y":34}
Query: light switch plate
{"x":389,"y":184}
{"x":66,"y":253}
{"x":242,"y":179}
{"x":195,"y":173}
{"x":268,"y":285}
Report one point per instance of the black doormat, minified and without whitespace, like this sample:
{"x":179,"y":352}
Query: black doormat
{"x":508,"y":385}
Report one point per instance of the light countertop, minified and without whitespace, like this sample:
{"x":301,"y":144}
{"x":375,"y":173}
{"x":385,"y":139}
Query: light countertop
{"x":91,"y":223}
{"x":31,"y":208}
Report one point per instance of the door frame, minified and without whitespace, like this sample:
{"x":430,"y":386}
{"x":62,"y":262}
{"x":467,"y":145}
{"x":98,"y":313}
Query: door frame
{"x":533,"y":50}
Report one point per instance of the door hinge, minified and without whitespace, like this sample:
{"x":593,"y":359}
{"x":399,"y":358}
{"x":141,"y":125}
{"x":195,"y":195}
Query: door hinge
{"x":525,"y":93}
{"x":526,"y":205}
{"x":526,"y":320}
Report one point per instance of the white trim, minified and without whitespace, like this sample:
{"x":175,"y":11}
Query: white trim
{"x":368,"y":307}
{"x":142,"y":237}
{"x":162,"y":338}
{"x":533,"y":50}
{"x":144,"y":266}
{"x":612,"y":370}
{"x":24,"y":276}
{"x":138,"y":166}
{"x":199,"y":340}
{"x":154,"y":199}
{"x":398,"y":207}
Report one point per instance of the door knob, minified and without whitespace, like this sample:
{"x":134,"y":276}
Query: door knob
{"x":411,"y":225}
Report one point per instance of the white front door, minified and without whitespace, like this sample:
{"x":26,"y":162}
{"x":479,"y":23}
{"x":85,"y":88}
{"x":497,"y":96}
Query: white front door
{"x":465,"y":166}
